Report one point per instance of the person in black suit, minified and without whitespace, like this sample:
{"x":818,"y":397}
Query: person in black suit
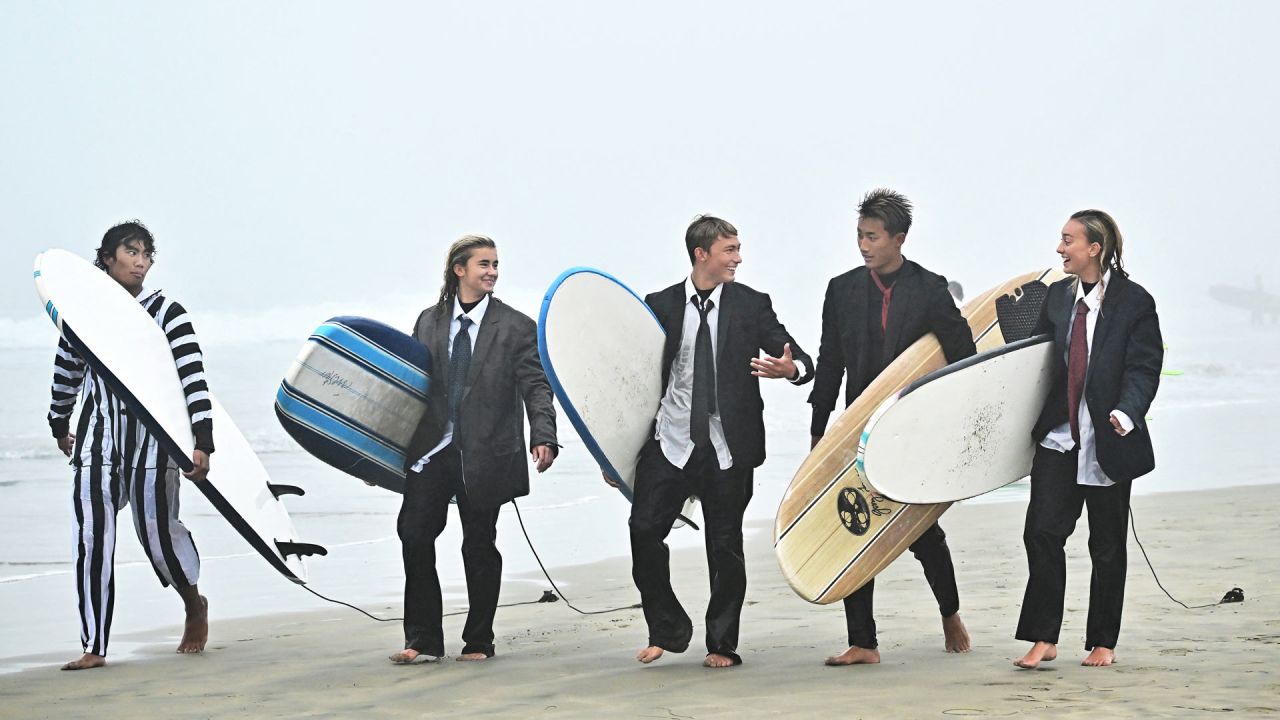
{"x":470,"y":445}
{"x":1092,"y":435}
{"x":871,"y":314}
{"x":708,"y":436}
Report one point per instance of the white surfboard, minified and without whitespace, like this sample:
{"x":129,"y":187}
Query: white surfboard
{"x":601,"y":348}
{"x":960,"y":431}
{"x":124,"y":345}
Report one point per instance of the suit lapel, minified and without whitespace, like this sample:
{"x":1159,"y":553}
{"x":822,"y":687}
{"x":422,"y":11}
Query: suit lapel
{"x":1062,"y":310}
{"x":728,"y":302}
{"x":438,"y":343}
{"x":1111,"y":297}
{"x":856,"y":325}
{"x":671,"y":314}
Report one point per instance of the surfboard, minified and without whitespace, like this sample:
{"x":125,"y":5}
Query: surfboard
{"x":960,"y":431}
{"x":125,"y":347}
{"x":834,"y":530}
{"x":354,"y":396}
{"x":601,"y":347}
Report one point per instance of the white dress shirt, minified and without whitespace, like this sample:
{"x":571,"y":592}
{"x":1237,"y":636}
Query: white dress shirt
{"x":477,"y":316}
{"x":1088,"y":471}
{"x":675,"y":410}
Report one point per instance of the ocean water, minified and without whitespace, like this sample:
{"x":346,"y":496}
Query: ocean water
{"x":1207,"y":424}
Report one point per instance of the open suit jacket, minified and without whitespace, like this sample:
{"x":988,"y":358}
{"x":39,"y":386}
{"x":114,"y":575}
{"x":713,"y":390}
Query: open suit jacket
{"x":921,"y":304}
{"x":1123,"y":372}
{"x":746,"y":324}
{"x":504,"y":375}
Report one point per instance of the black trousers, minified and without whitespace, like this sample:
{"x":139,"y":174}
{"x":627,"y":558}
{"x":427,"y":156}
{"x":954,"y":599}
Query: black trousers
{"x":660,"y":491}
{"x":1056,"y":501}
{"x":935,"y":557}
{"x":423,"y":514}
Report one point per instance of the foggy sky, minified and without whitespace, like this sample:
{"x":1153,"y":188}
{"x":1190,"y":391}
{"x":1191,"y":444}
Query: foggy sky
{"x":288,"y":154}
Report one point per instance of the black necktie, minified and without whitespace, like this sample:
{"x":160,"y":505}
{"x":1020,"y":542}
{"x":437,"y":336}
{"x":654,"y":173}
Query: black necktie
{"x":459,"y":360}
{"x":704,"y":377}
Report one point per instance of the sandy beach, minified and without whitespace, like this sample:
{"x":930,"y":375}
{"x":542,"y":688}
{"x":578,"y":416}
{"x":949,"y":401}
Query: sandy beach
{"x":554,"y":662}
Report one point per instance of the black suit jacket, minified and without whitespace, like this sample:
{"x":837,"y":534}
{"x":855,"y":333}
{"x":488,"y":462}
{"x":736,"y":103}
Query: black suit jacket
{"x":505,"y":375}
{"x":921,"y":304}
{"x":746,"y":325}
{"x":1123,"y":372}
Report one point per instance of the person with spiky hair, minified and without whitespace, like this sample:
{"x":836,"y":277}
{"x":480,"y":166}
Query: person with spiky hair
{"x":872,"y":314}
{"x":118,"y":462}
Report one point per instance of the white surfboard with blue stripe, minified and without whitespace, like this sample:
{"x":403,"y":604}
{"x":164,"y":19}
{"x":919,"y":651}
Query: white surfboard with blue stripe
{"x":354,"y":396}
{"x":601,"y":347}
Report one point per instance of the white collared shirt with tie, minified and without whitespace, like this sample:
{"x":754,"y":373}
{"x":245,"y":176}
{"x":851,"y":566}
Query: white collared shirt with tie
{"x":1088,"y":471}
{"x":455,"y":325}
{"x":675,"y":411}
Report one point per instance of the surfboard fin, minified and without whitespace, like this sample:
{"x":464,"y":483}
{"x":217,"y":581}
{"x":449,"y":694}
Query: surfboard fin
{"x":300,"y":549}
{"x":279,"y":490}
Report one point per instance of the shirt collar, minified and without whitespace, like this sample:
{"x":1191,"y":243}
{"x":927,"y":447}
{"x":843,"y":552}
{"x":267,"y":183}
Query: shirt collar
{"x":690,"y":291}
{"x":1094,"y":298}
{"x":477,"y":313}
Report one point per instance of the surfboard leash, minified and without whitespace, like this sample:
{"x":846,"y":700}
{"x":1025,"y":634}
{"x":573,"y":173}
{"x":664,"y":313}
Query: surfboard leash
{"x":548,"y":596}
{"x":1234,"y":595}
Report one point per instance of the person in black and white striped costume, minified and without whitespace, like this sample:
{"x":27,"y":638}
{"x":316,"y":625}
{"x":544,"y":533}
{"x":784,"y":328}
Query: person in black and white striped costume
{"x":117,"y":462}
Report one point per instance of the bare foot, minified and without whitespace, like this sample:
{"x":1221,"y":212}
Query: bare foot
{"x":955,"y":635}
{"x":716,"y":660}
{"x":855,"y":656}
{"x":649,"y":654}
{"x":196,"y":632}
{"x":1039,"y":652}
{"x":409,"y":656}
{"x":471,"y":657}
{"x":1100,"y":657}
{"x":86,"y":661}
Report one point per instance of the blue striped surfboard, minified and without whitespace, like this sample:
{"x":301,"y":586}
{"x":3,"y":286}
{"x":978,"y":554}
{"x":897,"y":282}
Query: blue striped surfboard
{"x":354,"y":396}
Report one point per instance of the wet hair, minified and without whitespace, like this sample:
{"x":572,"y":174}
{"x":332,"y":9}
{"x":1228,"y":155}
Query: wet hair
{"x":123,"y":234}
{"x":459,"y":254}
{"x":889,"y":207}
{"x":1101,"y":228}
{"x":703,"y":233}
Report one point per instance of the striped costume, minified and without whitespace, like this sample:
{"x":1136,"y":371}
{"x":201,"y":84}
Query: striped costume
{"x":117,"y":462}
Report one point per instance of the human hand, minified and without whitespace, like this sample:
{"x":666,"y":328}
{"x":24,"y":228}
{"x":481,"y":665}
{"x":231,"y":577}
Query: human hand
{"x":543,"y":456}
{"x":66,"y":444}
{"x":771,"y":367}
{"x":199,"y":466}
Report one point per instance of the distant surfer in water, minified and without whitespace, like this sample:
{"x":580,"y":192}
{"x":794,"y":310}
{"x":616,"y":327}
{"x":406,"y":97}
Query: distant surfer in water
{"x":118,"y":462}
{"x":872,"y":314}
{"x":708,"y":436}
{"x":1092,"y":435}
{"x":470,"y":446}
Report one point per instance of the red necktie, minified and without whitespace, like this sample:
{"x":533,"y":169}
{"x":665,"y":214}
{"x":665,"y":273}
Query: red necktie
{"x":887,"y":292}
{"x":1077,"y":365}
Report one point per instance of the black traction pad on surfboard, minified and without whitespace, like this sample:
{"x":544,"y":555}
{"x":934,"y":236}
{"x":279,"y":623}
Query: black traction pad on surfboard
{"x":300,"y":549}
{"x":1019,"y":311}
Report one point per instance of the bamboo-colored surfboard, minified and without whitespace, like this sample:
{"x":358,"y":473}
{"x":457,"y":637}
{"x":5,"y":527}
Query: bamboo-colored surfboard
{"x":834,"y":531}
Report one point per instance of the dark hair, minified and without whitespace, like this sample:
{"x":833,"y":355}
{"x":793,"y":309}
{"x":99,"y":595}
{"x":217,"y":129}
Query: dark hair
{"x":123,"y":234}
{"x":1101,"y":228}
{"x":459,"y":254}
{"x":889,"y":207}
{"x":704,"y":231}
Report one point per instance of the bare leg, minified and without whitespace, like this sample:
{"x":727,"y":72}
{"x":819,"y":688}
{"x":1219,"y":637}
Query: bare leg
{"x":196,"y":632}
{"x":86,"y":661}
{"x":955,"y":635}
{"x":1039,"y":652}
{"x":649,"y":654}
{"x":1100,"y":657}
{"x":855,"y":656}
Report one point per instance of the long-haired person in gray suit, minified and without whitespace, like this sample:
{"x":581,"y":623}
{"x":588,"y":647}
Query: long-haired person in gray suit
{"x":1092,"y":435}
{"x":470,"y":446}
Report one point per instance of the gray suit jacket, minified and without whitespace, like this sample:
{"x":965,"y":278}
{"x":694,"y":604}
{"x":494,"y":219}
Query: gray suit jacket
{"x":505,"y":375}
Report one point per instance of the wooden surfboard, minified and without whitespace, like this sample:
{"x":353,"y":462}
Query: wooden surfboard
{"x":834,"y":531}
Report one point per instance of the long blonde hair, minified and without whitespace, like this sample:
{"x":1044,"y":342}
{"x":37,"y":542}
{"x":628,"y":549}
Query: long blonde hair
{"x":1102,"y":229}
{"x":459,"y":253}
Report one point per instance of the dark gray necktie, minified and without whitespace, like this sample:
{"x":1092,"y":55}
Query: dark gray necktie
{"x":459,"y":361}
{"x":704,"y":377}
